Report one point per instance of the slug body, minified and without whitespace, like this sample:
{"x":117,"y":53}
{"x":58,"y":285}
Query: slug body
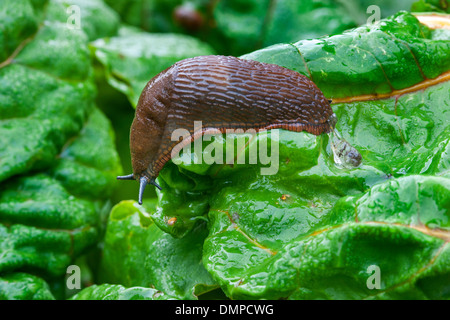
{"x":224,"y":93}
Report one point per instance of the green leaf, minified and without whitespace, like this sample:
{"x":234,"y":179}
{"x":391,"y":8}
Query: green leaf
{"x":23,"y":21}
{"x":57,"y":155}
{"x":330,"y":258}
{"x":88,"y":163}
{"x":50,"y":219}
{"x":137,"y":253}
{"x":22,"y":286}
{"x":378,"y":59}
{"x":45,"y":91}
{"x":118,"y":292}
{"x":404,"y":134}
{"x":134,"y":58}
{"x":43,"y":226}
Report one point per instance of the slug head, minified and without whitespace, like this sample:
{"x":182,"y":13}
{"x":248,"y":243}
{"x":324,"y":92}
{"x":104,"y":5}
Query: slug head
{"x":141,"y":145}
{"x":142,"y":152}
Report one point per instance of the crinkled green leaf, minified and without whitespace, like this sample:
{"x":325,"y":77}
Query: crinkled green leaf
{"x":403,"y":134}
{"x":131,"y":59}
{"x":49,"y":219}
{"x":390,"y":55}
{"x":137,"y":253}
{"x":119,"y":292}
{"x":88,"y":163}
{"x":57,"y":156}
{"x":412,"y":126}
{"x":400,"y":226}
{"x":22,"y":199}
{"x":22,"y":286}
{"x":46,"y":92}
{"x":43,"y":226}
{"x":23,"y":21}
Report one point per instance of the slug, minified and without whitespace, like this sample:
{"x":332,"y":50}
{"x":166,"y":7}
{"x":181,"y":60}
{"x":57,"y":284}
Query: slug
{"x":224,"y":93}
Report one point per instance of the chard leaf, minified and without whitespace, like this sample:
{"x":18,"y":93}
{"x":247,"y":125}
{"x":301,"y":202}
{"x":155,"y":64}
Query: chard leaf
{"x":48,"y":219}
{"x":57,"y":156}
{"x":137,"y":253}
{"x":22,"y":286}
{"x":376,"y":60}
{"x":119,"y":292}
{"x":335,"y":258}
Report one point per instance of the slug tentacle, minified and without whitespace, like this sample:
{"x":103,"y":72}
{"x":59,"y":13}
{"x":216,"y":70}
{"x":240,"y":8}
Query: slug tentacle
{"x":223,"y":93}
{"x":127,"y":177}
{"x":143,"y":181}
{"x":142,"y":184}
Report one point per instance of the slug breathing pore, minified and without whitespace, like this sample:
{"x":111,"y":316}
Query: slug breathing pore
{"x":224,"y":93}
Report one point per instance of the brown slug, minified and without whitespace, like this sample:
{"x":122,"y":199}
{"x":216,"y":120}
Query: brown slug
{"x":224,"y":93}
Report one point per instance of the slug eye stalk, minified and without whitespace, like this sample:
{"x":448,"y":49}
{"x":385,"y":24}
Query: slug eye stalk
{"x":142,"y":184}
{"x":127,"y":177}
{"x":143,"y":181}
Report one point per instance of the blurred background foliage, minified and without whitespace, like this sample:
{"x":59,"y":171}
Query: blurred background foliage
{"x":236,"y":27}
